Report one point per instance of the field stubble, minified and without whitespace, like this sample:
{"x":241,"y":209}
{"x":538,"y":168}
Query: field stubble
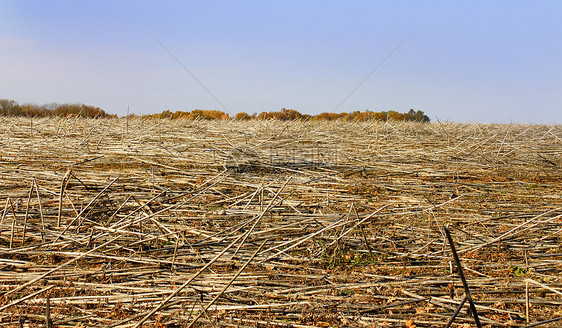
{"x":159,"y":223}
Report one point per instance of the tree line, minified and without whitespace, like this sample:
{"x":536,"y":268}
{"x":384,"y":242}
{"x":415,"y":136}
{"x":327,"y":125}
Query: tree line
{"x":12,"y":108}
{"x":291,"y":114}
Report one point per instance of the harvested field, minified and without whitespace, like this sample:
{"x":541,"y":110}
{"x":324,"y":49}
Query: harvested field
{"x":159,"y":223}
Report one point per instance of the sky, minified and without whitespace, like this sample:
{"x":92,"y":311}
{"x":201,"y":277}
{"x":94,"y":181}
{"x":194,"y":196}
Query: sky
{"x":463,"y":61}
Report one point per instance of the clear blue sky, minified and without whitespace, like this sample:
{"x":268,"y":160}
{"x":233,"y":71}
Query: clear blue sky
{"x":466,"y":61}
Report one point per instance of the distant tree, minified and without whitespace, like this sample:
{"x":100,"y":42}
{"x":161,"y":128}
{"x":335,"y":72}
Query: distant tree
{"x":242,"y":116}
{"x":417,"y":116}
{"x":420,"y":116}
{"x":409,"y":116}
{"x":7,"y":107}
{"x":395,"y":116}
{"x":166,"y":114}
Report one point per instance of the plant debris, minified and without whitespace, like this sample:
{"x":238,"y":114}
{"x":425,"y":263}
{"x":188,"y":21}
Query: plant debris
{"x":172,"y":223}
